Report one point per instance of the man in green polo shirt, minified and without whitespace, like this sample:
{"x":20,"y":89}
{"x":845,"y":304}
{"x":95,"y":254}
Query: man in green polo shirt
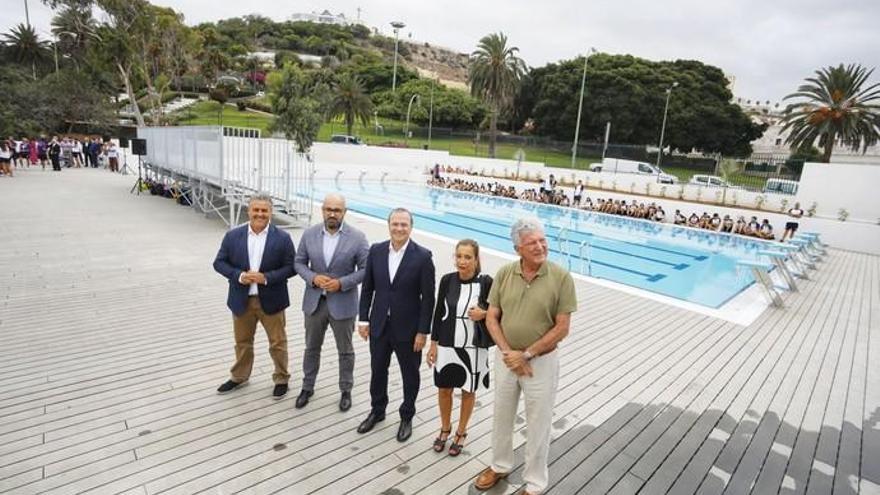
{"x":530,"y":306}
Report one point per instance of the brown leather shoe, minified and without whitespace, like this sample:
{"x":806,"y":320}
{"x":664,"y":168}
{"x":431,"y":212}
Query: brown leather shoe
{"x":488,"y":478}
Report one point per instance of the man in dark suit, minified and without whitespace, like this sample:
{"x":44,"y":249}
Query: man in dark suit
{"x":397,"y":298}
{"x":257,"y":259}
{"x":331,"y":259}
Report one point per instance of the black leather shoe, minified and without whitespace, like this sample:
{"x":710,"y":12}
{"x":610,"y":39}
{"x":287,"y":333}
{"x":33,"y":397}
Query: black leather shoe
{"x":345,"y":401}
{"x":303,"y":398}
{"x":279,"y":391}
{"x":370,"y":422}
{"x":405,"y":430}
{"x":229,"y":386}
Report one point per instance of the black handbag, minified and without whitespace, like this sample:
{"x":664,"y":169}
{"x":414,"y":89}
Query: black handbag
{"x":482,"y":337}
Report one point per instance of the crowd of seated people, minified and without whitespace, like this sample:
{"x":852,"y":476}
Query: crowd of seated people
{"x":715,"y":222}
{"x":633,"y":209}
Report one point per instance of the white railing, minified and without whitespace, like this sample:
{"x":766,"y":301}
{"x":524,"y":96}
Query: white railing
{"x":236,"y":161}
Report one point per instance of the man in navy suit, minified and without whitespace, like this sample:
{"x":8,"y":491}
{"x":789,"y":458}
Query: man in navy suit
{"x":257,"y":259}
{"x":397,"y":298}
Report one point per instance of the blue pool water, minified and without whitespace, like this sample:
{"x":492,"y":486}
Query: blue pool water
{"x":683,"y":263}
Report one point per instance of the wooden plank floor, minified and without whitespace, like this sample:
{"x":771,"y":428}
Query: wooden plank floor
{"x":114,"y":335}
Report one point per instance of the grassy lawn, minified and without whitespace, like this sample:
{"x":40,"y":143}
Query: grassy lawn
{"x":207,"y":113}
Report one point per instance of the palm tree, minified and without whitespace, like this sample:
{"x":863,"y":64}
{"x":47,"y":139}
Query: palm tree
{"x":350,"y":101}
{"x":494,"y":74}
{"x":75,"y":29}
{"x":834,"y":105}
{"x":26,"y":46}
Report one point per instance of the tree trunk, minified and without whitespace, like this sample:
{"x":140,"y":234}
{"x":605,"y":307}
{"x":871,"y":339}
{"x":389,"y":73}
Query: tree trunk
{"x":139,"y":118}
{"x":829,"y":147}
{"x":493,"y":130}
{"x":349,"y":123}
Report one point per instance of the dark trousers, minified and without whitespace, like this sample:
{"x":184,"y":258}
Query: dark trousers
{"x":316,"y":327}
{"x":381,"y":348}
{"x":56,"y":162}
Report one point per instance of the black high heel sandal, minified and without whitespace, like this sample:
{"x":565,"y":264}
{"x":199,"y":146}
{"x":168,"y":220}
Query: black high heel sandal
{"x":440,"y":441}
{"x":456,"y":446}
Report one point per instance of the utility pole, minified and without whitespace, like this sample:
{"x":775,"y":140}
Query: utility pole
{"x":577,"y":125}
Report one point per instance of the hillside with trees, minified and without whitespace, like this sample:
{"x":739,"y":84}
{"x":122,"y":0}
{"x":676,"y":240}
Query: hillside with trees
{"x":128,"y":58}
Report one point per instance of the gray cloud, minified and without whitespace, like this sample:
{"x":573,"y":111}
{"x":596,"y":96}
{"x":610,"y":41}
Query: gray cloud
{"x":770,"y":47}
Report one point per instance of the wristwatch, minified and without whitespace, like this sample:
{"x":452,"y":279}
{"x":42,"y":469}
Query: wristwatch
{"x":528,"y":355}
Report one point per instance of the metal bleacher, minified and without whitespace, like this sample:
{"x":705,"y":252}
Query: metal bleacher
{"x":221,"y":167}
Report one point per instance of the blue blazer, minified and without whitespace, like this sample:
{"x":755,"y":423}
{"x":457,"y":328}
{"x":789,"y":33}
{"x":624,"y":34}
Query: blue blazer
{"x":406,"y":302}
{"x":277,"y":265}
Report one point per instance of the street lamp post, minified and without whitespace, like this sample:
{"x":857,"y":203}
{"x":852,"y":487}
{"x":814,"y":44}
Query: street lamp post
{"x":431,"y":114}
{"x":663,"y":128}
{"x":27,"y":15}
{"x":577,"y":125}
{"x":408,"y":109}
{"x":397,"y":25}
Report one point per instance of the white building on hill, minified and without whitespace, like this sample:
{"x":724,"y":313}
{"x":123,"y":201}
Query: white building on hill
{"x":324,"y":17}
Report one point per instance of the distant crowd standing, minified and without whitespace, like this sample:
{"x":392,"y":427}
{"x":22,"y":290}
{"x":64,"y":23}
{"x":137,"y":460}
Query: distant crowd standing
{"x":548,"y":192}
{"x":65,"y":152}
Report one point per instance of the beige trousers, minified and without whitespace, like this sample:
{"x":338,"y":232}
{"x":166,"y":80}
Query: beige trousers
{"x":539,"y":393}
{"x":245,"y":326}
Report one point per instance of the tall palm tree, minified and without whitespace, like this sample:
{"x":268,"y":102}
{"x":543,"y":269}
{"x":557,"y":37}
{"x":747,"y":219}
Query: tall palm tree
{"x":26,"y":46}
{"x":494,"y":74}
{"x":75,"y":29}
{"x":350,"y":101}
{"x":835,"y":105}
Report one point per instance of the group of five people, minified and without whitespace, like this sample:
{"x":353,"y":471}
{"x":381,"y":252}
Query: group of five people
{"x":524,"y":312}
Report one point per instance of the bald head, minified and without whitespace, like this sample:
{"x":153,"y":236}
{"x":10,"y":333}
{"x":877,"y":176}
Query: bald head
{"x":333,"y":210}
{"x":335,"y":199}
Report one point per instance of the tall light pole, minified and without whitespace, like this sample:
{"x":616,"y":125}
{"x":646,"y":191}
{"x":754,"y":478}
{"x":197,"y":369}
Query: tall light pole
{"x":408,"y":109}
{"x":27,"y":15}
{"x":397,"y":25}
{"x":577,"y":125}
{"x":431,"y":114}
{"x":663,"y":128}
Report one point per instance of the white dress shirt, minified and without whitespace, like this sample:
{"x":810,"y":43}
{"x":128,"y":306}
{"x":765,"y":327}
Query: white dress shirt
{"x":394,"y":259}
{"x":256,"y":244}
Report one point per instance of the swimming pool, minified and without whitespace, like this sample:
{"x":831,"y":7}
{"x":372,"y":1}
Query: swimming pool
{"x":683,"y":263}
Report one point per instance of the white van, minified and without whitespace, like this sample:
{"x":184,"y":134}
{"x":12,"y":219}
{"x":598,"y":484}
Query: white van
{"x":781,"y":186}
{"x":621,"y":166}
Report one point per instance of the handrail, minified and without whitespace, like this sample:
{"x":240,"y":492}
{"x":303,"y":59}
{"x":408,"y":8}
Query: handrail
{"x":563,"y":249}
{"x":589,"y":260}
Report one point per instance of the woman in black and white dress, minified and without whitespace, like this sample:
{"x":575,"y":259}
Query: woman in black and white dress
{"x":457,"y":362}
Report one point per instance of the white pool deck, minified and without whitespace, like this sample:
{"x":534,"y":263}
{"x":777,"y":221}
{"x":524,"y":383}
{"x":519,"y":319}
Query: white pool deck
{"x":114,"y":335}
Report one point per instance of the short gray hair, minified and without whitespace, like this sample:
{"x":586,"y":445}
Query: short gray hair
{"x":522,"y":226}
{"x":260,"y":196}
{"x":401,"y":210}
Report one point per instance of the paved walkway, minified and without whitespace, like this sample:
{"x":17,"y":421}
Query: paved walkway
{"x":114,"y":335}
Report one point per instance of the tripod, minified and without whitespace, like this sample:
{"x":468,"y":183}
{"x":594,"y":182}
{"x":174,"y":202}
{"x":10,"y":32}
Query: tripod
{"x":125,"y":168}
{"x":138,"y":185}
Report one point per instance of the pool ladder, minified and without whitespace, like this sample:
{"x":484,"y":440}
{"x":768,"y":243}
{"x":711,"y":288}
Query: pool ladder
{"x":565,"y":249}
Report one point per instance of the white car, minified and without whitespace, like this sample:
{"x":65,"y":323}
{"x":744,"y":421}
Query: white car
{"x":709,"y":181}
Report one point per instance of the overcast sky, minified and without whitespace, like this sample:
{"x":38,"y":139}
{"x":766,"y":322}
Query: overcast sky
{"x":769,"y":46}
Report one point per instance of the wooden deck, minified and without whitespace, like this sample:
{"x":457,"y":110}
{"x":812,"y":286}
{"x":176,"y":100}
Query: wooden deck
{"x":114,"y":335}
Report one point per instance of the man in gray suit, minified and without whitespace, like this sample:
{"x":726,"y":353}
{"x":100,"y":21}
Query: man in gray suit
{"x":331,"y":259}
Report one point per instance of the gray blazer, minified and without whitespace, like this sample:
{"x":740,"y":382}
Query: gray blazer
{"x":347,"y":265}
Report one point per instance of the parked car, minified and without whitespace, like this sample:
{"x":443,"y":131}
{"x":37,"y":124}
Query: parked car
{"x":709,"y":181}
{"x":343,"y":139}
{"x":621,"y":166}
{"x":781,"y":186}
